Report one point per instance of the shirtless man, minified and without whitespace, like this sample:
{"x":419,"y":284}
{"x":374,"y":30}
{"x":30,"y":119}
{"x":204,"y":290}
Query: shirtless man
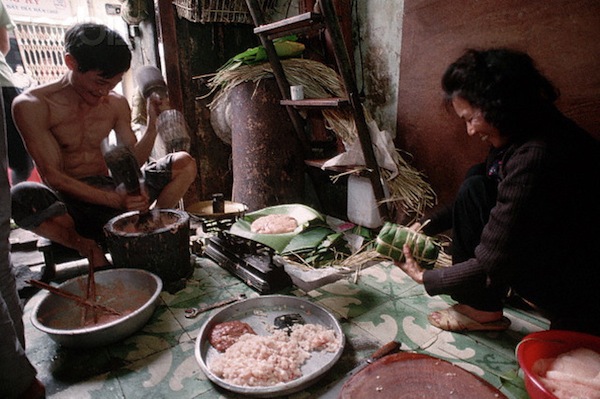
{"x":65,"y":124}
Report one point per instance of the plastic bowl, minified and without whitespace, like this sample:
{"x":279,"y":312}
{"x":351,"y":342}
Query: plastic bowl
{"x":549,"y":344}
{"x":133,"y":292}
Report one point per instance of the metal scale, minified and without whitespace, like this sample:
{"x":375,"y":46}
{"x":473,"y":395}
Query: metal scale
{"x":256,"y":264}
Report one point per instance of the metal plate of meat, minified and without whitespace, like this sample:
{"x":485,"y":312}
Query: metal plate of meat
{"x":261,"y":313}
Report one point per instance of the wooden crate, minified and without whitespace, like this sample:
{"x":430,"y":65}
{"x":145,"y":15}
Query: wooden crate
{"x":223,"y":11}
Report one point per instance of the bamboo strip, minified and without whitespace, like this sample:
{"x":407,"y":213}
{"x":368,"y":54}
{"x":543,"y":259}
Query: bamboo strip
{"x":69,"y":295}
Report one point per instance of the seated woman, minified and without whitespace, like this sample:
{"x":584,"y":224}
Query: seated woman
{"x":526,"y":220}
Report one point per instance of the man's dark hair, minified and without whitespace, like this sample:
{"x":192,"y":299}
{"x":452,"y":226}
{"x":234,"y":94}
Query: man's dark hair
{"x":98,"y":48}
{"x":505,"y":84}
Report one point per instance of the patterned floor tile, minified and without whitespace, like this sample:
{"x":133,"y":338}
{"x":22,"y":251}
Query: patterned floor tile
{"x":167,"y":374}
{"x":348,"y":300}
{"x":388,"y":277}
{"x":379,"y":306}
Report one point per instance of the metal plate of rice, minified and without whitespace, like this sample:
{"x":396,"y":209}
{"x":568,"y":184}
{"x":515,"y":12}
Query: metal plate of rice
{"x":260,"y":313}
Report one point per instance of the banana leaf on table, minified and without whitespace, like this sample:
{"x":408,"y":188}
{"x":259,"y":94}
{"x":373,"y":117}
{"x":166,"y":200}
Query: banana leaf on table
{"x":304,"y":215}
{"x":318,"y":247}
{"x":307,"y":240}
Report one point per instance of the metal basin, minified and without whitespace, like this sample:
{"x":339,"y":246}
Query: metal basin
{"x":259,"y":313}
{"x":132,"y":292}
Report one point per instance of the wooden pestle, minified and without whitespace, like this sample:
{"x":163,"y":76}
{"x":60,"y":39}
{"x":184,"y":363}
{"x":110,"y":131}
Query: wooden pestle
{"x":150,"y":80}
{"x":124,"y":168}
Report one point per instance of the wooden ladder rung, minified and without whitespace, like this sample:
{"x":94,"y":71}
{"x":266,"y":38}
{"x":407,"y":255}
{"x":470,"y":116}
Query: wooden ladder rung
{"x":358,"y":170}
{"x":299,"y":23}
{"x":333,"y":102}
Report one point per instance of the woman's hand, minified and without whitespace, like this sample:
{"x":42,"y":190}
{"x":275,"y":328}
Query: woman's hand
{"x":410,"y":266}
{"x":416,"y":226}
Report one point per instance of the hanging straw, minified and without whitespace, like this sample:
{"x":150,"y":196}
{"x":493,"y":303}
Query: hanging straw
{"x":408,"y":188}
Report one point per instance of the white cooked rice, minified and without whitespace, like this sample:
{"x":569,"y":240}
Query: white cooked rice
{"x":269,"y":360}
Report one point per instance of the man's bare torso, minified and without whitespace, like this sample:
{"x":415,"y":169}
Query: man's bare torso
{"x":79,"y":128}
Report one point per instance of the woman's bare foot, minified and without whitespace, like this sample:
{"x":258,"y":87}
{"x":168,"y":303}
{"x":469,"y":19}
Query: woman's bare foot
{"x":479,"y":316}
{"x":461,"y":318}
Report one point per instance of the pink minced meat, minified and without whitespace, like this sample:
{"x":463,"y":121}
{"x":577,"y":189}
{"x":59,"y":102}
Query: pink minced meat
{"x":261,"y":361}
{"x":225,"y":334}
{"x":274,"y":224}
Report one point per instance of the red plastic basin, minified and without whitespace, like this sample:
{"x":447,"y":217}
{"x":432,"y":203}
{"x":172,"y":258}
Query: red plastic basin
{"x":549,"y":344}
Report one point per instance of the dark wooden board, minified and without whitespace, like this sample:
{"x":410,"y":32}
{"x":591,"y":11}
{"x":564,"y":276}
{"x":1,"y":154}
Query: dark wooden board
{"x":563,"y":36}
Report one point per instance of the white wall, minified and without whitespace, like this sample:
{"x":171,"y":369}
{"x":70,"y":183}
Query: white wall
{"x":377,"y":26}
{"x":380,"y":33}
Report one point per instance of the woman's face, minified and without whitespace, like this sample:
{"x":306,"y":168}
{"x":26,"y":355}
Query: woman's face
{"x":476,"y":123}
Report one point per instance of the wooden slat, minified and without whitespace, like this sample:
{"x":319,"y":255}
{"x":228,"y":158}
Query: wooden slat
{"x":299,"y":23}
{"x":278,"y":72}
{"x":333,"y":102}
{"x":166,"y":24}
{"x":347,"y":73}
{"x":318,"y":163}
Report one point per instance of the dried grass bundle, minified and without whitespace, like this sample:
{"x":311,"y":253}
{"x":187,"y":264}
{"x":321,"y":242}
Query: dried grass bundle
{"x":408,"y":189}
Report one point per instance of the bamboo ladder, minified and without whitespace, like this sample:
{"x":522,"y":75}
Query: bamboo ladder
{"x":327,"y":20}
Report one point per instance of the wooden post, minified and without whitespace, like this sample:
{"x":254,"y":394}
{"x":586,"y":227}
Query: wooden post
{"x":165,"y":19}
{"x":347,"y":73}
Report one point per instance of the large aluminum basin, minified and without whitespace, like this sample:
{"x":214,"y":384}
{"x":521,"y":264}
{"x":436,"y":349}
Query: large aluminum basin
{"x":132,"y":292}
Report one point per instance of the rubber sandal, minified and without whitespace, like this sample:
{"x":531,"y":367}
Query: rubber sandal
{"x":36,"y":390}
{"x":452,"y":320}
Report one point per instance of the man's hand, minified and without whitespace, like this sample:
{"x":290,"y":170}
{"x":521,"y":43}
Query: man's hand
{"x":134,"y":202}
{"x":410,"y":266}
{"x":155,"y":104}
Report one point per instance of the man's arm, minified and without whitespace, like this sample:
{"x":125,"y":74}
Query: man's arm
{"x":4,"y":40}
{"x":125,"y":135}
{"x":31,"y":115}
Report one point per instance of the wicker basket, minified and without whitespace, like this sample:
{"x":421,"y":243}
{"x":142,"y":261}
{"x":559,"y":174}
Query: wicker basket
{"x":224,"y":11}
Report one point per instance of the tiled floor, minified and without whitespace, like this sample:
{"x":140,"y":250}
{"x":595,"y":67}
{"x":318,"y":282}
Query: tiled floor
{"x":159,"y":361}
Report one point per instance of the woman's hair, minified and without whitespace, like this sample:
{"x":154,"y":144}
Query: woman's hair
{"x":505,"y":85}
{"x":96,"y":47}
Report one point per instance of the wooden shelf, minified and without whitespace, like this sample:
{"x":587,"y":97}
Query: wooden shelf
{"x":299,"y":23}
{"x":333,"y":102}
{"x":329,"y":22}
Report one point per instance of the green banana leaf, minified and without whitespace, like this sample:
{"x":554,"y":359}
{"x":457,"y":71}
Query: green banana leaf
{"x":259,"y":54}
{"x":304,"y":215}
{"x":307,"y":240}
{"x":333,"y":248}
{"x":392,"y":238}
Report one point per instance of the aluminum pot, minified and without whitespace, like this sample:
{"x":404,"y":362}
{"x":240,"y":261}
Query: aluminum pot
{"x":132,"y":292}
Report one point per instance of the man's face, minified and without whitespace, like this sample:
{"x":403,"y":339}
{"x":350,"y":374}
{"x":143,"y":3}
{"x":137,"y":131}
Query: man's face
{"x":92,"y":87}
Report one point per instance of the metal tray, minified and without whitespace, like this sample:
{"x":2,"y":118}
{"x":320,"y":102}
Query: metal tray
{"x":260,"y":313}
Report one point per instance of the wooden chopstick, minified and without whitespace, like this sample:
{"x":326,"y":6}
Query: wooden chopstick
{"x":65,"y":294}
{"x":91,"y":293}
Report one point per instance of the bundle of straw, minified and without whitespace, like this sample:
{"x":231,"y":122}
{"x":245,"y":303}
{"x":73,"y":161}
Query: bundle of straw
{"x":408,"y":189}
